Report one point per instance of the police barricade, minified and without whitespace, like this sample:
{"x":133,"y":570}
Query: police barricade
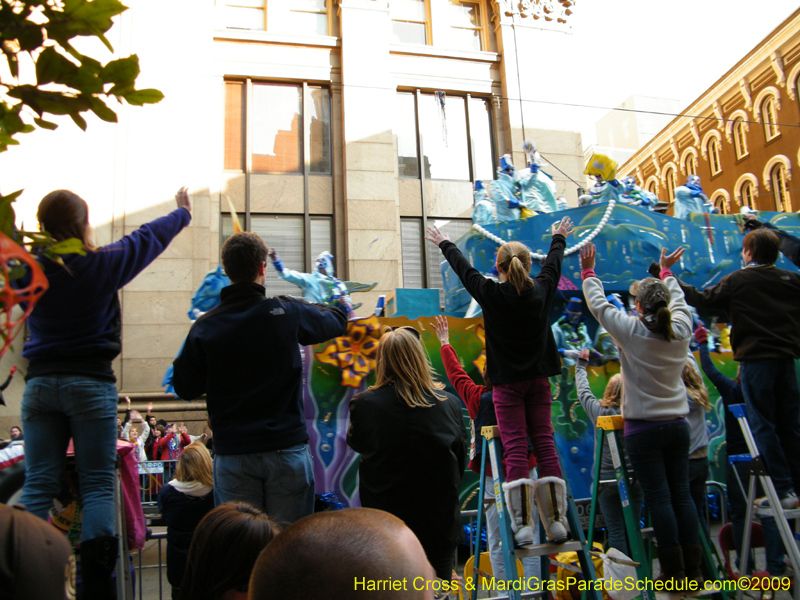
{"x":153,"y":475}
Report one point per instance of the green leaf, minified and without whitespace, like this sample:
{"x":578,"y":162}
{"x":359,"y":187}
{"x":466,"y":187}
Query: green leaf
{"x":123,"y":71}
{"x":101,"y":110}
{"x":70,"y":246}
{"x":141,"y":97}
{"x":79,"y":120}
{"x":44,"y":124}
{"x":30,"y":37}
{"x":52,"y":66}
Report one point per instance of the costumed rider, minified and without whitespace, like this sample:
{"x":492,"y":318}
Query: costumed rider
{"x":571,"y":333}
{"x":604,"y":170}
{"x":561,"y":203}
{"x":537,"y":190}
{"x":689,"y":198}
{"x":483,"y":212}
{"x":319,"y":287}
{"x":503,"y":192}
{"x":635,"y":196}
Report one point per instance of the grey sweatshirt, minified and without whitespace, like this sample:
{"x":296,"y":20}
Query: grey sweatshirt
{"x":593,"y":408}
{"x":651,"y":366}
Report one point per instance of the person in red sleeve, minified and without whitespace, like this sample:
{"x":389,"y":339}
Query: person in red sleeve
{"x":169,"y":447}
{"x":478,"y":400}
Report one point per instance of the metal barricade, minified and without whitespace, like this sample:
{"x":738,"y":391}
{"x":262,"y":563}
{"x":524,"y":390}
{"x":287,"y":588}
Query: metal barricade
{"x":153,"y":475}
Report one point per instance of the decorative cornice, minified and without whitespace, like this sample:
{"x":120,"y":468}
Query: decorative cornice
{"x":674,"y":148}
{"x":744,"y":87}
{"x":777,"y":66}
{"x":545,"y":11}
{"x":639,"y":179}
{"x":718,"y":114}
{"x":709,"y":134}
{"x":791,"y":84}
{"x":695,"y":133}
{"x":657,"y":166}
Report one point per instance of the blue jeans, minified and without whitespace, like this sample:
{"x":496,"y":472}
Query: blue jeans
{"x":698,"y":475}
{"x":530,"y":564}
{"x":611,"y":506}
{"x":773,"y":411}
{"x":55,"y":408}
{"x":281,"y":482}
{"x":737,"y":502}
{"x":660,"y":459}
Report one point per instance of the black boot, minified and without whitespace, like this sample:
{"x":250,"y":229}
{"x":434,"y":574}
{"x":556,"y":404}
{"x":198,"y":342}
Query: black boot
{"x":672,"y":568}
{"x":692,"y":559}
{"x":98,"y":559}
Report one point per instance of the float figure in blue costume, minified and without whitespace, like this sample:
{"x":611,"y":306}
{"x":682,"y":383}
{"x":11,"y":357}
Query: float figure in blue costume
{"x":321,"y":286}
{"x":571,"y":333}
{"x":635,"y":196}
{"x":689,"y":198}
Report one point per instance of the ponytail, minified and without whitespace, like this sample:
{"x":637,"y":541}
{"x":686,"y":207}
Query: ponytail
{"x":514,"y":259}
{"x":660,"y":322}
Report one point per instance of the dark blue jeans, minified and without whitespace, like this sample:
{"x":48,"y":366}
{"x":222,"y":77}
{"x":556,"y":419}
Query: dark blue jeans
{"x":611,"y":507}
{"x":773,"y":411}
{"x":660,"y":459}
{"x":737,"y":502}
{"x":698,"y":474}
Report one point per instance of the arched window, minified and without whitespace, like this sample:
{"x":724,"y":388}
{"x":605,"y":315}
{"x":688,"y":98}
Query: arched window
{"x":769,"y":118}
{"x":748,"y":198}
{"x":713,"y":156}
{"x":739,"y":138}
{"x":780,"y":192}
{"x":721,"y":203}
{"x":651,"y":187}
{"x":669,"y":179}
{"x":690,"y":165}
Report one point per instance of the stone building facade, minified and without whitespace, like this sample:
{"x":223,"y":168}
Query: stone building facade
{"x":320,"y":122}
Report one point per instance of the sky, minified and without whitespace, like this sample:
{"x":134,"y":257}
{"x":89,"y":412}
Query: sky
{"x":675,"y":49}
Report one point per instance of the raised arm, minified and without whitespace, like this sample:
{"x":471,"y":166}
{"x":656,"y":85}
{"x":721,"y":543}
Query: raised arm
{"x":319,"y":322}
{"x":468,"y":390}
{"x":129,"y":256}
{"x":585,"y":396}
{"x":619,"y":325}
{"x":550,"y":274}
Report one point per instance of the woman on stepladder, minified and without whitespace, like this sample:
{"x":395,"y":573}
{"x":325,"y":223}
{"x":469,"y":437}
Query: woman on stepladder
{"x":521,"y":354}
{"x":652,"y":351}
{"x":70,"y":393}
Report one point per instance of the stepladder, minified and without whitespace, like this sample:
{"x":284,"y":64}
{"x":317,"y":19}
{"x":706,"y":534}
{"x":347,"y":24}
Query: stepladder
{"x":759,"y":472}
{"x":609,"y":428}
{"x":536,"y":586}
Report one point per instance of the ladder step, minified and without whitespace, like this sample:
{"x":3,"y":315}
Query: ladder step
{"x":767,"y":512}
{"x":545,"y":549}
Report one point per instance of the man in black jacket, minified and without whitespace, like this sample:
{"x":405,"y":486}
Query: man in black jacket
{"x":761,"y":302}
{"x":244,"y":355}
{"x":789,"y":244}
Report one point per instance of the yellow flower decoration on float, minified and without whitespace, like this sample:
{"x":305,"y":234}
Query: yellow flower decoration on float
{"x":480,"y":362}
{"x":354,"y":353}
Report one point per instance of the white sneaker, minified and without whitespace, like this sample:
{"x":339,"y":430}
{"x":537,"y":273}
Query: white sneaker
{"x":788,"y":502}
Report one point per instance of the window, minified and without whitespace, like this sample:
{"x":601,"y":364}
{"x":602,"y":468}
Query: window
{"x":651,"y":187}
{"x":721,"y":204}
{"x":452,"y":149}
{"x":739,"y":138}
{"x":285,"y":234}
{"x":276,"y":133}
{"x":690,"y":165}
{"x":414,"y":266}
{"x":466,"y":29}
{"x":669,"y":180}
{"x":748,"y":196}
{"x":410,"y":22}
{"x":780,"y":193}
{"x":769,"y":118}
{"x":298,"y":17}
{"x":713,"y":157}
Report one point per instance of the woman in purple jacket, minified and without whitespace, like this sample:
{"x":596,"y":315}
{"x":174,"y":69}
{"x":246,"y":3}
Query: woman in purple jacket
{"x":70,"y":392}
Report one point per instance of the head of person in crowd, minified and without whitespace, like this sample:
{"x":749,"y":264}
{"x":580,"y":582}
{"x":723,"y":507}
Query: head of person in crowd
{"x":652,"y":303}
{"x":224,"y":549}
{"x":152,"y":422}
{"x":695,"y":388}
{"x":158,"y":432}
{"x":612,"y":397}
{"x":64,"y":215}
{"x":194,"y":464}
{"x":514,"y":264}
{"x":244,"y":257}
{"x":340,"y":552}
{"x":401,"y":361}
{"x":133,"y":435}
{"x":16,"y":431}
{"x":761,"y":246}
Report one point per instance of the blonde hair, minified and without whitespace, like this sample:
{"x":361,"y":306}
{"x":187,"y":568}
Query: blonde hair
{"x":514,"y":259}
{"x":402,"y":363}
{"x":695,"y":387}
{"x":612,"y":397}
{"x":194,"y":464}
{"x":131,"y":431}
